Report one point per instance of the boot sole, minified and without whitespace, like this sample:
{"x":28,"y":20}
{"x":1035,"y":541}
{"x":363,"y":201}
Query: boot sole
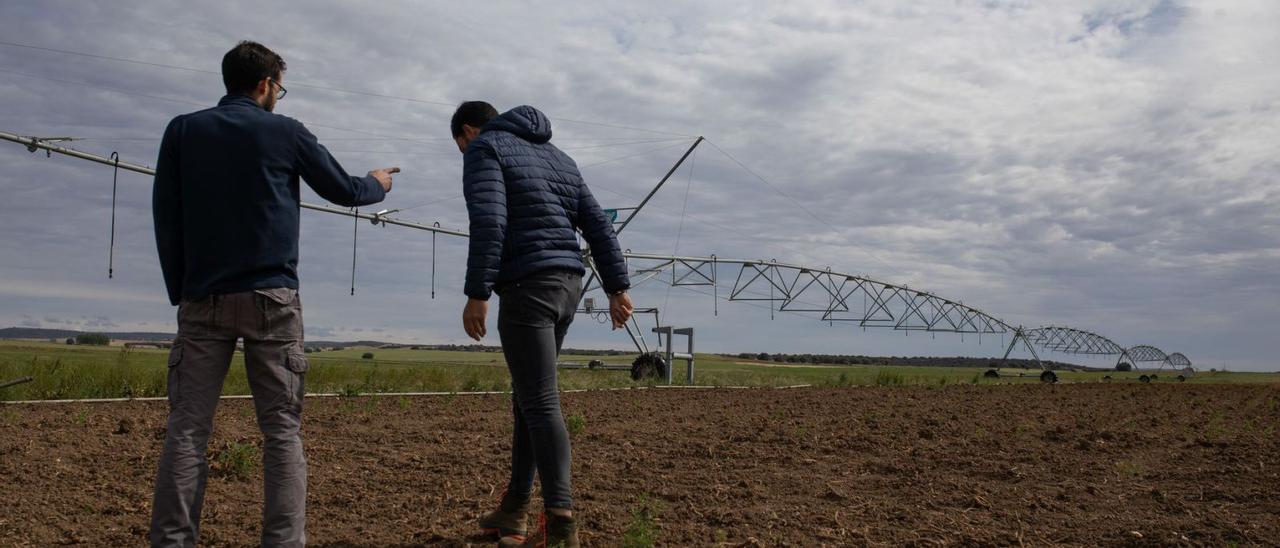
{"x":499,"y":533}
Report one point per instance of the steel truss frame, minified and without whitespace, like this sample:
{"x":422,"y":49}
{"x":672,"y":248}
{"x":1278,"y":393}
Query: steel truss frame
{"x":1075,"y":341}
{"x":1148,"y":353}
{"x":832,"y":296}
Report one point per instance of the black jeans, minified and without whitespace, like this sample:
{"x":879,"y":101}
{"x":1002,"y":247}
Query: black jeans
{"x":533,"y":316}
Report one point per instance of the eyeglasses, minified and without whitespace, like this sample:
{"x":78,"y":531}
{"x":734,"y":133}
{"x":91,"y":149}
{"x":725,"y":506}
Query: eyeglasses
{"x":282,"y":92}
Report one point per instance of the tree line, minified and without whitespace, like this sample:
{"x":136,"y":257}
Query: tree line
{"x":922,"y":361}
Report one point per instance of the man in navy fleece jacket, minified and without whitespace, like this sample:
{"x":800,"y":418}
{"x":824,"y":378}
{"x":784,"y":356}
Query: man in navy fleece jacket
{"x":226,"y":204}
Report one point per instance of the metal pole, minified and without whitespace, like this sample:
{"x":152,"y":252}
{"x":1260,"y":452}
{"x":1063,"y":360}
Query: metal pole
{"x":689,"y":367}
{"x":1012,"y":342}
{"x":355,"y":240}
{"x":666,"y":330}
{"x":34,"y":144}
{"x":1032,"y":350}
{"x":636,"y":210}
{"x":634,"y":340}
{"x":433,"y":262}
{"x":656,"y":188}
{"x":671,"y":358}
{"x":16,"y":381}
{"x":111,"y":249}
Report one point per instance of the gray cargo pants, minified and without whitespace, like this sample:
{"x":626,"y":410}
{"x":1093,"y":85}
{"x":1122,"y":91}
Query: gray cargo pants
{"x":270,"y":322}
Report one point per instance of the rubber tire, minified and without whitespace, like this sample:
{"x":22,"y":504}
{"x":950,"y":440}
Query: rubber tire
{"x":1144,"y":378}
{"x":1049,"y":377}
{"x":647,"y":366}
{"x":991,"y":374}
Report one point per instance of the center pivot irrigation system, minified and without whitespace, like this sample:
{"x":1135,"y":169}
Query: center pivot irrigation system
{"x":828,"y":295}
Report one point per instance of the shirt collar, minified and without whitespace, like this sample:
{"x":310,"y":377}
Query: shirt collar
{"x":238,"y":99}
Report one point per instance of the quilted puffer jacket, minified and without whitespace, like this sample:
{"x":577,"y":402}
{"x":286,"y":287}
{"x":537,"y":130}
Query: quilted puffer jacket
{"x":526,"y":201}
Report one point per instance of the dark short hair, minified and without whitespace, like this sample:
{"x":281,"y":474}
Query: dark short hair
{"x":472,"y":113}
{"x":249,"y":63}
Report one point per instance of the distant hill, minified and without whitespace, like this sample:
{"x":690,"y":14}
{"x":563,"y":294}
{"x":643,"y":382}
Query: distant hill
{"x":348,"y":344}
{"x":39,"y":333}
{"x":918,"y":361}
{"x":925,"y":361}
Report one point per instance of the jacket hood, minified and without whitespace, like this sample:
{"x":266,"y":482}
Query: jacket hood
{"x":524,"y":121}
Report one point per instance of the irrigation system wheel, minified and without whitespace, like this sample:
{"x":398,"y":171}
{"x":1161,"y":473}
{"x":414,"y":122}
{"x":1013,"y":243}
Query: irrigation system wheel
{"x":1144,"y":378}
{"x":1049,"y":377}
{"x":647,"y":366}
{"x":991,"y":374}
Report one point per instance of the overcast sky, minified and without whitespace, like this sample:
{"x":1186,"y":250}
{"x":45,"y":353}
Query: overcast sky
{"x":1107,"y":165}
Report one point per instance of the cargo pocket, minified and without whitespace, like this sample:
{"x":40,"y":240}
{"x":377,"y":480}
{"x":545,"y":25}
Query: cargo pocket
{"x":175,"y":372}
{"x":279,"y":295}
{"x":297,"y":365}
{"x":197,"y":318}
{"x":281,"y":314}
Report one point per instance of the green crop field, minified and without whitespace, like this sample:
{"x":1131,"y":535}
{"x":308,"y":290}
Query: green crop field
{"x":78,"y":372}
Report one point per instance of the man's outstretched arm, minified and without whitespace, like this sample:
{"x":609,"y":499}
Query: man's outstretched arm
{"x":325,"y":175}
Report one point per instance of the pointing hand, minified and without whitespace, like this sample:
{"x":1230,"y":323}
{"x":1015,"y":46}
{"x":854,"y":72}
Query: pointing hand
{"x":384,"y":176}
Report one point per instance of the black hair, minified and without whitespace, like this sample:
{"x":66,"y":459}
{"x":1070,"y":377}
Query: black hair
{"x":472,"y":113}
{"x":249,"y":63}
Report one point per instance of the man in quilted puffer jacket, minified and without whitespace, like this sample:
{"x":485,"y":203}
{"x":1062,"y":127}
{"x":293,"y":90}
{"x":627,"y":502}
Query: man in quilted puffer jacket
{"x":527,"y":204}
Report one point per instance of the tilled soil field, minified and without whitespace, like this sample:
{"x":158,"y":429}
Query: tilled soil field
{"x":1083,"y":464}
